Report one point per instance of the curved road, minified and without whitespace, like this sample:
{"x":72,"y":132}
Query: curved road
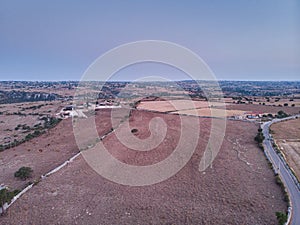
{"x":283,"y":171}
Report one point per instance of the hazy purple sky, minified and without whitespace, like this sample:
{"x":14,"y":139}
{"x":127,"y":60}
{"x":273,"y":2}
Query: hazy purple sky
{"x":239,"y":40}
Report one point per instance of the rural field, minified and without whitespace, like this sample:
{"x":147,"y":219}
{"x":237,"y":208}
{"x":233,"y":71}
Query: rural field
{"x":149,"y":112}
{"x":175,"y":105}
{"x":215,"y":109}
{"x":263,"y":108}
{"x":239,"y":187}
{"x":19,"y":120}
{"x":287,"y":136}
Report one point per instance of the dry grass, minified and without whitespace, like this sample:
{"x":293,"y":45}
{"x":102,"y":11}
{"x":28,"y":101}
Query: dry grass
{"x":287,"y":136}
{"x":212,"y":112}
{"x":230,"y":192}
{"x":176,"y":105}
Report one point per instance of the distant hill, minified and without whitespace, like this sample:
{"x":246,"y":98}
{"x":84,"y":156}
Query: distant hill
{"x":23,"y":96}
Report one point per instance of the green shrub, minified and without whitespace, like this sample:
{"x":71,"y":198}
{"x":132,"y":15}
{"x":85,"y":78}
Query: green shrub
{"x":23,"y":173}
{"x":6,"y":196}
{"x":281,"y":217}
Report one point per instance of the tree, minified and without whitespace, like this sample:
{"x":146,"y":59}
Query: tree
{"x":281,"y":217}
{"x":259,"y":138}
{"x":23,"y":173}
{"x":282,"y":114}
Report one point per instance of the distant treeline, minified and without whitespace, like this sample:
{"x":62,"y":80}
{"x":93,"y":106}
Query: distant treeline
{"x":23,"y":96}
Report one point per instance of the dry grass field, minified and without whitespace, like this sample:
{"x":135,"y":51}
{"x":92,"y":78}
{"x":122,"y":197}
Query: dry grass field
{"x":239,"y":188}
{"x":212,"y":112}
{"x":263,"y":108}
{"x":18,"y":120}
{"x":287,"y":136}
{"x":202,"y":108}
{"x":175,"y":105}
{"x":47,"y":151}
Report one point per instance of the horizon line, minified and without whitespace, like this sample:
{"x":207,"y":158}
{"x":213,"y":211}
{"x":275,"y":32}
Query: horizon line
{"x":234,"y":80}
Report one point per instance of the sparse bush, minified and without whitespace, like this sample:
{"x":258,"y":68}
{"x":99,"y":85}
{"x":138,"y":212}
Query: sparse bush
{"x":286,"y":197}
{"x":278,"y":180}
{"x":23,"y":173}
{"x":36,"y":133}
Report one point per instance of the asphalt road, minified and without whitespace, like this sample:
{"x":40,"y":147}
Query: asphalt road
{"x":280,"y":167}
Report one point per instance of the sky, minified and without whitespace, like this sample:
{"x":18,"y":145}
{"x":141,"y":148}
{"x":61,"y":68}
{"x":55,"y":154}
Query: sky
{"x":239,"y":40}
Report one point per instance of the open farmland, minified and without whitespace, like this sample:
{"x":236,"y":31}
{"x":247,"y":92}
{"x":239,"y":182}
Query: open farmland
{"x":175,"y":105}
{"x":214,"y":112}
{"x":239,"y":187}
{"x":263,"y":108}
{"x":215,"y":109}
{"x":287,"y":136}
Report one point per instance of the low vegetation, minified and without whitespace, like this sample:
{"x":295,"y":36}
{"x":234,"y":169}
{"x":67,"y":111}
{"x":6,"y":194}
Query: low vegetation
{"x":6,"y":196}
{"x":281,"y":217}
{"x":24,"y":173}
{"x":38,"y":129}
{"x":282,"y":114}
